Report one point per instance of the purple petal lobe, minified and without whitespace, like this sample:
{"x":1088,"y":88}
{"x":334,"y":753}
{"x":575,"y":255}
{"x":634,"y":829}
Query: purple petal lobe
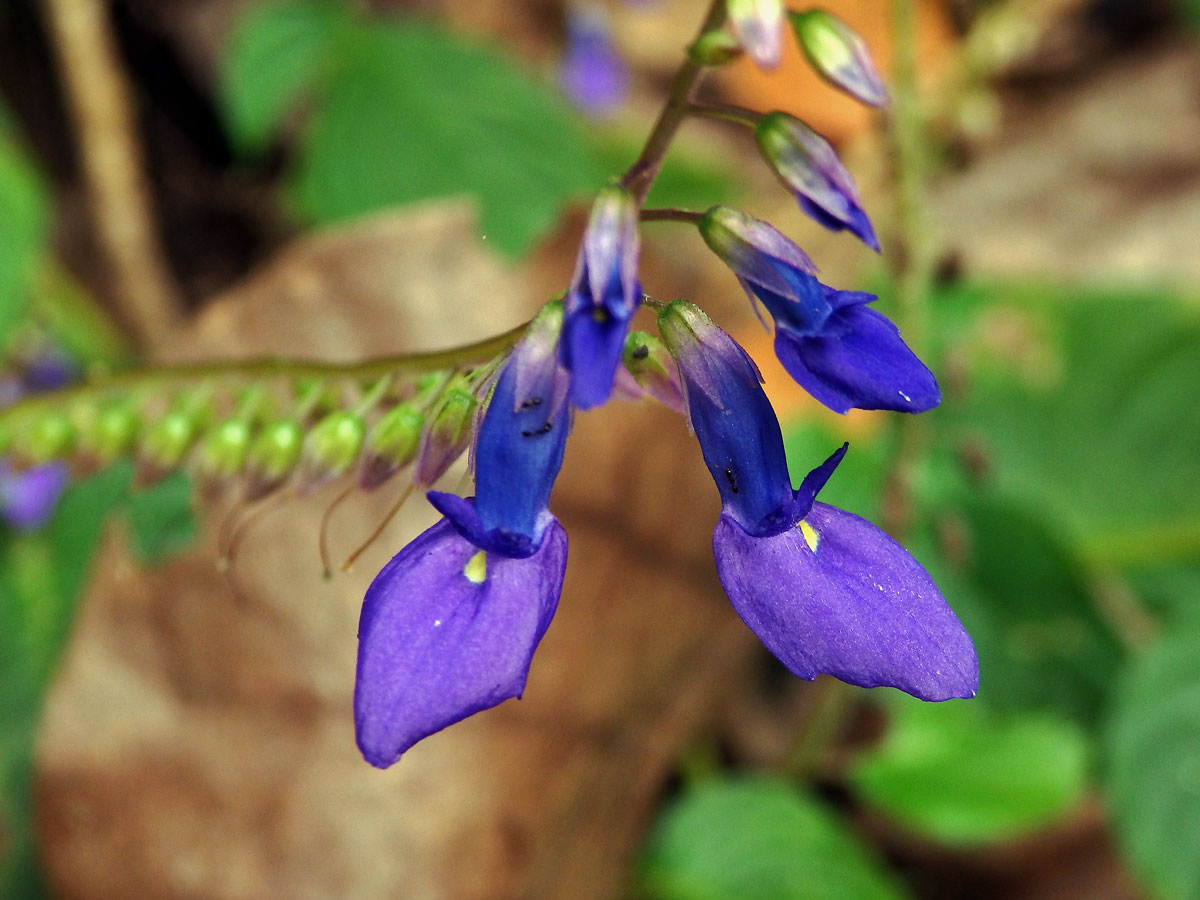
{"x":442,"y":637}
{"x":860,"y":362}
{"x":857,"y":607}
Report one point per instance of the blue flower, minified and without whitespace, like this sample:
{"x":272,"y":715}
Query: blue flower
{"x":449,"y":626}
{"x":809,"y":167}
{"x":825,"y":591}
{"x":845,"y":354}
{"x":593,"y":75}
{"x":28,"y":498}
{"x":602,"y":298}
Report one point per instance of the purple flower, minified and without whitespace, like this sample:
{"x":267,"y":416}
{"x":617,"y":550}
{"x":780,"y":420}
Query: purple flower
{"x":449,"y":626}
{"x":839,"y":55}
{"x":593,"y":75}
{"x":28,"y":498}
{"x":825,"y":591}
{"x":809,"y":167}
{"x":758,"y":26}
{"x":845,"y":354}
{"x":602,"y":298}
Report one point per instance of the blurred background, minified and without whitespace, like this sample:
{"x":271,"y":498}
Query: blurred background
{"x":212,"y":179}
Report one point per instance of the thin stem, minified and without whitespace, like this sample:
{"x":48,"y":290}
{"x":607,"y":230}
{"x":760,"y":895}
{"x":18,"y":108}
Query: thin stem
{"x":913,"y":260}
{"x":671,"y":215}
{"x":725,"y":113}
{"x":271,"y":367}
{"x":639,"y":177}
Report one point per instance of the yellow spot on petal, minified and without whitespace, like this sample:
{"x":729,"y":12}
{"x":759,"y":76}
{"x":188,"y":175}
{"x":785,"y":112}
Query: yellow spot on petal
{"x":476,"y":568}
{"x":810,"y":535}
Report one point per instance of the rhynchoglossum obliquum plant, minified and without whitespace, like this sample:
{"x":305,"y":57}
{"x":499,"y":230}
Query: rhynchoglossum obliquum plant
{"x":450,"y":626}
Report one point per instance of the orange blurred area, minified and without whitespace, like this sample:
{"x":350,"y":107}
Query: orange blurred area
{"x":796,"y":89}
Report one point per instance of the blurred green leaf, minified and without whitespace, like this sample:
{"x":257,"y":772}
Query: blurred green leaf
{"x":960,"y":774}
{"x":24,"y":222}
{"x":756,"y":839}
{"x":41,"y":577}
{"x":161,"y":521}
{"x":1084,"y":404}
{"x":1026,"y":602}
{"x":857,"y":485}
{"x":275,"y":53}
{"x":1153,"y":765}
{"x":410,"y":111}
{"x":1172,"y":591}
{"x":690,"y":177}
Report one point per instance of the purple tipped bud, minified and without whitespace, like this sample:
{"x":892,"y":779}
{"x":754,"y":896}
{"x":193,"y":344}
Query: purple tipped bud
{"x":809,"y":167}
{"x":447,"y":436}
{"x":839,"y":55}
{"x":393,"y":444}
{"x":758,"y":25}
{"x":603,"y":296}
{"x":649,"y":362}
{"x":332,"y":448}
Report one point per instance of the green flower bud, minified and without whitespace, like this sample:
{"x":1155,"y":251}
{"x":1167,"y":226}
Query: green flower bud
{"x":839,"y":55}
{"x":332,"y":447}
{"x":649,"y":362}
{"x":47,"y":436}
{"x":392,"y":445}
{"x":223,"y":452}
{"x":715,"y":48}
{"x":273,"y":457}
{"x":107,"y":433}
{"x":447,"y":436}
{"x":165,"y":443}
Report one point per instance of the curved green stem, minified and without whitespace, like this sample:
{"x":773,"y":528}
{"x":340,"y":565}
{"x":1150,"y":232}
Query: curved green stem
{"x":275,"y":367}
{"x":639,"y":177}
{"x":724,"y":113}
{"x":690,"y":216}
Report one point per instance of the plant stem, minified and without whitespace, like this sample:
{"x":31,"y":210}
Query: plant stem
{"x":639,"y":177}
{"x":913,"y":257}
{"x":272,"y":367}
{"x":671,"y":215}
{"x":724,"y":113}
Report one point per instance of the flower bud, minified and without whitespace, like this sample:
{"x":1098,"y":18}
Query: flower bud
{"x":715,"y":48}
{"x":332,"y":447}
{"x":222,"y":453}
{"x":649,"y":362}
{"x":758,"y":25}
{"x":107,"y":433}
{"x":839,"y":55}
{"x":447,"y":436}
{"x":392,"y":445}
{"x":164,"y":445}
{"x":809,"y":167}
{"x":272,"y":457}
{"x":49,"y":436}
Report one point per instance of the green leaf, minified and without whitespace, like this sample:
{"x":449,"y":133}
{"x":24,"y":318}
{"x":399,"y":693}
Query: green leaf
{"x":24,"y":222}
{"x":275,"y":53}
{"x":1025,"y":600}
{"x":959,"y":774}
{"x":411,"y":112}
{"x":1152,"y":773}
{"x":161,"y":521}
{"x":756,"y":839}
{"x":41,"y":578}
{"x":1083,"y":404}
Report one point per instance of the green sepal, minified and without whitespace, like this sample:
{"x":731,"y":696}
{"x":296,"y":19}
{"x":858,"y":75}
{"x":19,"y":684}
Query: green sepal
{"x":715,"y":48}
{"x":332,"y":447}
{"x":223,"y":452}
{"x":448,"y":434}
{"x":47,"y":436}
{"x":107,"y":433}
{"x":273,"y":457}
{"x":392,"y":444}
